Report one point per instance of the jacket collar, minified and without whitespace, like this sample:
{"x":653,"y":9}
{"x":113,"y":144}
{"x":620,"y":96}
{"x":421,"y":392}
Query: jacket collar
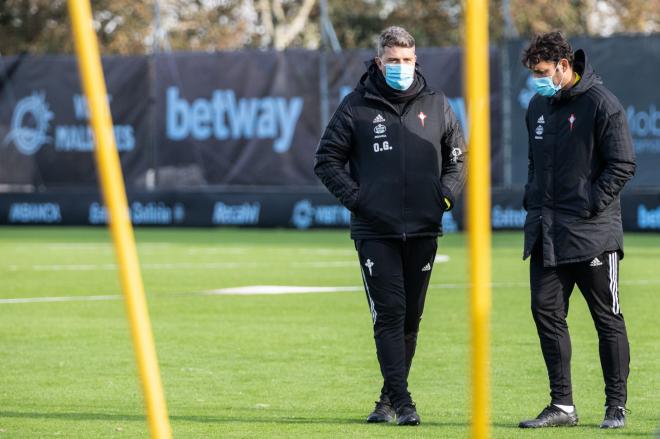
{"x":588,"y":78}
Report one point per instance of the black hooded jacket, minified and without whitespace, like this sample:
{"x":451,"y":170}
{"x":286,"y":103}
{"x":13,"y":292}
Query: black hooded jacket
{"x":580,"y":157}
{"x":405,"y":153}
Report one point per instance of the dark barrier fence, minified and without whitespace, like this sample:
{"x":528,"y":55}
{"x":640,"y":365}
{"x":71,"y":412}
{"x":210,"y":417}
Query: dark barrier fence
{"x":229,"y":138}
{"x":231,"y":118}
{"x":45,"y":138}
{"x":301,"y":209}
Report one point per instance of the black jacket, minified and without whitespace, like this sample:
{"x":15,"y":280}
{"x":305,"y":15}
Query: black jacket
{"x":401,"y":164}
{"x":580,"y":157}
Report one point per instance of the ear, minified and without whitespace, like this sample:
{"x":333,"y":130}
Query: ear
{"x":379,"y":63}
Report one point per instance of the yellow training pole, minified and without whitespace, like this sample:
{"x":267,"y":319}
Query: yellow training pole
{"x":112,"y":185}
{"x":476,"y":90}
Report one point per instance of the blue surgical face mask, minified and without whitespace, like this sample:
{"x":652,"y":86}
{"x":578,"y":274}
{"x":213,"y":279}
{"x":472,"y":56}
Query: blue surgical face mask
{"x":545,"y":86}
{"x":399,"y":76}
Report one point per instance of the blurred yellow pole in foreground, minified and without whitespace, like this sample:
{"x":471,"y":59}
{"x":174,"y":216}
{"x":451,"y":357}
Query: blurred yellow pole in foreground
{"x":476,"y":81}
{"x":114,"y":195}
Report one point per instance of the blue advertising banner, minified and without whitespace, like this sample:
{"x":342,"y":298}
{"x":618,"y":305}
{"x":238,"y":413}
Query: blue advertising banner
{"x":311,"y":208}
{"x":45,"y":138}
{"x":194,"y":120}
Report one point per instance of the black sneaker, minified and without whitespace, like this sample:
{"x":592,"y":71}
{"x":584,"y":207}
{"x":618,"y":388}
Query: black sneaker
{"x":551,"y":416}
{"x":615,"y":417}
{"x":383,"y":412}
{"x":407,"y":415}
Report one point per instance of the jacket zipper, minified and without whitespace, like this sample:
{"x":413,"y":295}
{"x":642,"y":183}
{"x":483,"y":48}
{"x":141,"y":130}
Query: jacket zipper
{"x":405,"y":110}
{"x":403,"y":152}
{"x":403,"y":160}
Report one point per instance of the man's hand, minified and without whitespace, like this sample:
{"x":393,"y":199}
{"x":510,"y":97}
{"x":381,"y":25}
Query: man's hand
{"x":446,"y":204}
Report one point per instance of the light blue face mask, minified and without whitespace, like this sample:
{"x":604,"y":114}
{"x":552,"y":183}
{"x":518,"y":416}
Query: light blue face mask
{"x":545,"y":86}
{"x":399,"y":76}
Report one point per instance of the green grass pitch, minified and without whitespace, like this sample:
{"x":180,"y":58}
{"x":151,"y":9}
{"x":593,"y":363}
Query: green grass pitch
{"x":283,"y":366}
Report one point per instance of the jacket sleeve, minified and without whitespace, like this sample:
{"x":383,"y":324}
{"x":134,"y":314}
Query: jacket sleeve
{"x":332,"y":155}
{"x":454,"y":152}
{"x":614,"y":145}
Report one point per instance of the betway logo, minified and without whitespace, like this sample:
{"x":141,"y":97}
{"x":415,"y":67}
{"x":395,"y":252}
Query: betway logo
{"x":648,"y":218}
{"x":225,"y":117}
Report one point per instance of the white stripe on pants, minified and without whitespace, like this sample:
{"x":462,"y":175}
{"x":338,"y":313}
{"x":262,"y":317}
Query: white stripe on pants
{"x":614,"y":280}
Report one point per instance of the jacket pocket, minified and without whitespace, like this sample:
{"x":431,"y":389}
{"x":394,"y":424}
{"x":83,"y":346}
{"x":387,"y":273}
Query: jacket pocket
{"x":589,"y":210}
{"x":356,"y":207}
{"x":424,"y":205}
{"x":380,"y":205}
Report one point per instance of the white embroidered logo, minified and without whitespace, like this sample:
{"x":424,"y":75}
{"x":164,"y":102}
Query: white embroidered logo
{"x":380,"y":129}
{"x":427,"y":267}
{"x":369,"y":264}
{"x":539,"y":132}
{"x":595,"y":263}
{"x":379,"y":119}
{"x":422,"y":116}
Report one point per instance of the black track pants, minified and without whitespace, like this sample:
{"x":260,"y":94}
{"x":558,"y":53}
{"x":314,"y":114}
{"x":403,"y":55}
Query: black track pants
{"x":551,"y":289}
{"x":396,"y":276}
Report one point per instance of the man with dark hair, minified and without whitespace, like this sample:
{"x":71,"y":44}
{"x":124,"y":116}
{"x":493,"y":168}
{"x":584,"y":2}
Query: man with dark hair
{"x":580,"y":157}
{"x":405,"y":152}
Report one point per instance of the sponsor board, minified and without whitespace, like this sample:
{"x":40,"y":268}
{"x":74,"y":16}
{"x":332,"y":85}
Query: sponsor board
{"x":223,"y":116}
{"x":305,"y":215}
{"x":648,"y":218}
{"x":243,"y":214}
{"x":35,"y":213}
{"x":31,"y":127}
{"x":506,"y":217}
{"x":142,"y":213}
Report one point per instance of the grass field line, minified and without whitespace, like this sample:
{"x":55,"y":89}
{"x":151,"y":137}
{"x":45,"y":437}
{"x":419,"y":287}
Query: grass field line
{"x":256,"y":290}
{"x":191,"y":250}
{"x":177,"y":265}
{"x":192,"y":265}
{"x":60,"y":299}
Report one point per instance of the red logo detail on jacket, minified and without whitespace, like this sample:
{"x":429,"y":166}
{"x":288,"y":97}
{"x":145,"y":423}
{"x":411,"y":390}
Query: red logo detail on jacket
{"x":421,"y":116}
{"x":571,"y":120}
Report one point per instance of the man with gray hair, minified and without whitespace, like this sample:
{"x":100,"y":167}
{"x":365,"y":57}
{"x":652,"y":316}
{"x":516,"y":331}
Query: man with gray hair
{"x":405,"y":152}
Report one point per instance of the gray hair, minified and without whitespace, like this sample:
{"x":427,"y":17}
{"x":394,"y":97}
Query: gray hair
{"x":394,"y":36}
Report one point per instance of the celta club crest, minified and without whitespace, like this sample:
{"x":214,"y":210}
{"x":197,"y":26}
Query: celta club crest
{"x":369,"y":264}
{"x":29,"y":124}
{"x":572,"y":120}
{"x":422,"y":117}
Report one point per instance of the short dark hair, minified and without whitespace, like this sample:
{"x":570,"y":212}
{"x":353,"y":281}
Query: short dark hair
{"x":551,"y":46}
{"x":394,"y":36}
